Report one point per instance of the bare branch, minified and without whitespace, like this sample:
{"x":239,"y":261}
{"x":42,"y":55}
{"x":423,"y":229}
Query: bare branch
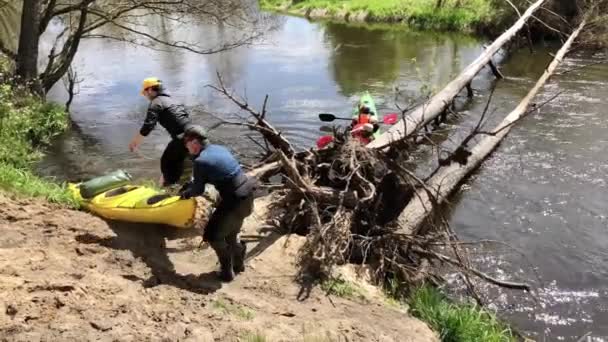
{"x":506,"y":284}
{"x":274,"y":137}
{"x":177,"y":44}
{"x":70,"y":82}
{"x":529,"y":34}
{"x":564,"y":20}
{"x":533,"y":109}
{"x":263,"y":115}
{"x":123,"y":15}
{"x":560,"y":33}
{"x":56,"y":71}
{"x":48,"y":14}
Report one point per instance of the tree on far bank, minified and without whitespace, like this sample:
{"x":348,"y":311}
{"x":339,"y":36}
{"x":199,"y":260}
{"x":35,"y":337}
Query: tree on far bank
{"x":82,"y":19}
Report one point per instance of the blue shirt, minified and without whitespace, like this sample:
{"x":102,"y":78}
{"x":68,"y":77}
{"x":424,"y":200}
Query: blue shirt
{"x":214,"y":165}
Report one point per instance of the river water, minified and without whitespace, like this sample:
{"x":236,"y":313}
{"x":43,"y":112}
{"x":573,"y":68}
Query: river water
{"x":543,"y":192}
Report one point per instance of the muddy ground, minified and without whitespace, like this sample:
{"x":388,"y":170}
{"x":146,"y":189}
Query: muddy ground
{"x":69,"y":276}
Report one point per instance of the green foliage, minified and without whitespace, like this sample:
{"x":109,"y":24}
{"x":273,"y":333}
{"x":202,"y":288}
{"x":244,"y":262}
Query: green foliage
{"x":255,"y":337}
{"x":259,"y":337}
{"x":27,"y":126}
{"x":232,"y":309}
{"x":342,"y":288}
{"x":274,"y":4}
{"x":464,"y":15}
{"x":457,"y":323}
{"x":393,"y":294}
{"x":23,"y":183}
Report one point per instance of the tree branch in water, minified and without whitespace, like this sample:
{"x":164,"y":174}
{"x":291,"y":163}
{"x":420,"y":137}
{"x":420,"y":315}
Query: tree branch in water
{"x":271,"y":134}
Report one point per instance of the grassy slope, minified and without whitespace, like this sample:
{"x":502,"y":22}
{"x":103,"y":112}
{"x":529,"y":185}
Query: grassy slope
{"x":417,"y":13}
{"x":457,"y":323}
{"x":27,"y":125}
{"x":453,"y":322}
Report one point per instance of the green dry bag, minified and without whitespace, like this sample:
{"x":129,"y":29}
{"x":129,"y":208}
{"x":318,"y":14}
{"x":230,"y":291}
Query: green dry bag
{"x":97,"y":185}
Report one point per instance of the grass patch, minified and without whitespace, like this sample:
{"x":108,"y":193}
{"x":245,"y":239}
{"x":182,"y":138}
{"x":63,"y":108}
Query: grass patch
{"x":421,"y":14}
{"x":27,"y":127}
{"x":235,"y":310}
{"x":259,"y":337}
{"x":255,"y":337}
{"x":342,"y":288}
{"x":220,"y":305}
{"x":457,"y":323}
{"x":392,"y":294}
{"x":22,"y":182}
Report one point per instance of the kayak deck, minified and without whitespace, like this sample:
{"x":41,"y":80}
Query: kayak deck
{"x":134,"y":203}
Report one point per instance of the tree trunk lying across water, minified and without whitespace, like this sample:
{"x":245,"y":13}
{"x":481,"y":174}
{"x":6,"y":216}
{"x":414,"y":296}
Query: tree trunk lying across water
{"x":449,"y":177}
{"x":431,"y":109}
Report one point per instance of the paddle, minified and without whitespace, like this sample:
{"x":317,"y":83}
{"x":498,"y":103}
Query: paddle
{"x":327,"y":117}
{"x":388,"y":119}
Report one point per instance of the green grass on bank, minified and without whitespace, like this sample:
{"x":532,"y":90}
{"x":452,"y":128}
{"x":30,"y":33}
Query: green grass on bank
{"x":467,"y":16}
{"x":342,"y":288}
{"x":260,"y":337}
{"x":24,"y":183}
{"x":27,"y":126}
{"x":457,"y":323}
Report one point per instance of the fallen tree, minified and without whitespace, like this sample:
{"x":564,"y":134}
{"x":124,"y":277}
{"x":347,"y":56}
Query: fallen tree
{"x":436,"y":105}
{"x":447,"y":178}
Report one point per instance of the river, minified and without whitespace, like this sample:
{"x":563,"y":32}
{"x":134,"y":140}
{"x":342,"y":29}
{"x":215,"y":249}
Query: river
{"x":543,"y":192}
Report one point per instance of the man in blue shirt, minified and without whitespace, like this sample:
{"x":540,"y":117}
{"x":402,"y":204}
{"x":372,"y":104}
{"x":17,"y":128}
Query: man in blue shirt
{"x":215,"y":165}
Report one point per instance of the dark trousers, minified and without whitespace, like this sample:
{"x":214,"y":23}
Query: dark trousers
{"x":172,"y":161}
{"x":222,"y":232}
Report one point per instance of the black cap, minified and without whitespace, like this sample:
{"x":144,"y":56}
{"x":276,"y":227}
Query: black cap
{"x":195,"y":131}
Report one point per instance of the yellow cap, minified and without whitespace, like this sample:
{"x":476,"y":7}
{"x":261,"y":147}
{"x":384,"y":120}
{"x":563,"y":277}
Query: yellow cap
{"x":149,"y":82}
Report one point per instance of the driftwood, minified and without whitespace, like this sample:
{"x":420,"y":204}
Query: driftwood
{"x":446,"y":180}
{"x":490,"y":279}
{"x":306,"y":187}
{"x":270,"y":134}
{"x":431,"y":109}
{"x":341,"y":219}
{"x":265,"y":169}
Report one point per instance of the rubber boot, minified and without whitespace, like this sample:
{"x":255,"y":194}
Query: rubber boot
{"x":239,"y":258}
{"x":225,"y":257}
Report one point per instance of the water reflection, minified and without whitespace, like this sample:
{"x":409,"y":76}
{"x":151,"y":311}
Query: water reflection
{"x":361,"y":56}
{"x":379,"y":58}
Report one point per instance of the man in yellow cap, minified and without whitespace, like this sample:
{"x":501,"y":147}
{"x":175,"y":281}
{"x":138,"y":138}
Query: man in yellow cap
{"x":174,"y":118}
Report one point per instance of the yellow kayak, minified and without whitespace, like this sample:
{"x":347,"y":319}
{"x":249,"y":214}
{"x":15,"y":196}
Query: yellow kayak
{"x":134,"y":203}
